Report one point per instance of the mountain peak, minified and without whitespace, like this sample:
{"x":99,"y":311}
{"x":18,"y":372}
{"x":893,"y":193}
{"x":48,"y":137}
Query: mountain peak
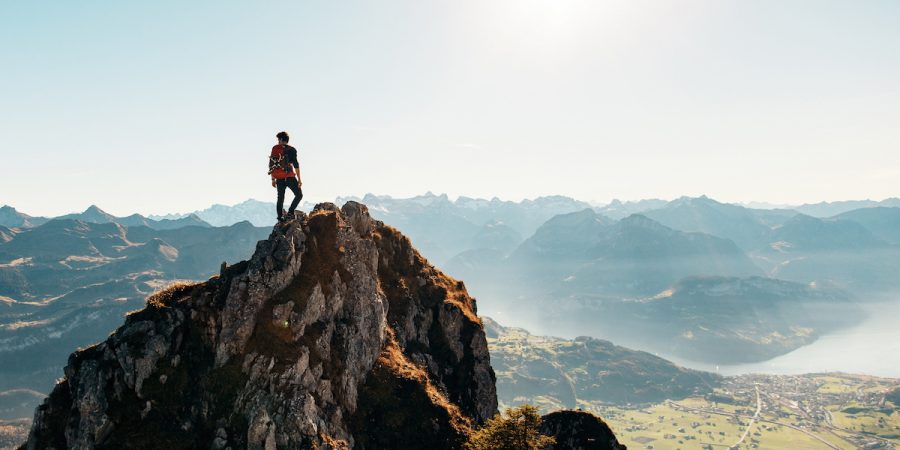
{"x":335,"y":323}
{"x":94,"y":209}
{"x":11,"y":217}
{"x":692,"y":201}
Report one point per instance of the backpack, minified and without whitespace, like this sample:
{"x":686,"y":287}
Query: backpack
{"x":279,"y":161}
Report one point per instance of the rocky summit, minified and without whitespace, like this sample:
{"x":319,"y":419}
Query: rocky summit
{"x":337,"y":333}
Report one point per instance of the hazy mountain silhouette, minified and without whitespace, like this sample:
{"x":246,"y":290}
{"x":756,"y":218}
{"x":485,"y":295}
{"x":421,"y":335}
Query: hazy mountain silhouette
{"x":258,"y":213}
{"x":11,"y":218}
{"x":745,"y":227}
{"x":94,"y":214}
{"x":829,"y":209}
{"x":618,"y":209}
{"x":584,"y":252}
{"x":831,"y":252}
{"x":882,"y":221}
{"x":496,"y":236}
{"x":443,"y":228}
{"x":804,"y":232}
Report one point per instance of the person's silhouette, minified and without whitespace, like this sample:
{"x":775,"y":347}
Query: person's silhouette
{"x":285,"y":171}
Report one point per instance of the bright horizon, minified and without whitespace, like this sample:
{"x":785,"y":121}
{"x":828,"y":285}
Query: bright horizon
{"x":169,"y":107}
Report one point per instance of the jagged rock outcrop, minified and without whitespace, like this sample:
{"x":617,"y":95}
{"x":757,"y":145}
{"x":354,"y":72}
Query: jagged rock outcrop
{"x":579,"y":430}
{"x":336,"y":333}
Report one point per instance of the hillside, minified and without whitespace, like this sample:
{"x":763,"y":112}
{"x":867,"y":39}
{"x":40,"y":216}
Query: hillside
{"x":562,"y":373}
{"x":883,"y":222}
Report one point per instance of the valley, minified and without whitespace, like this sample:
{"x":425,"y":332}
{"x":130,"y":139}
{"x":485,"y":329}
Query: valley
{"x":654,"y":404}
{"x":815,"y":411}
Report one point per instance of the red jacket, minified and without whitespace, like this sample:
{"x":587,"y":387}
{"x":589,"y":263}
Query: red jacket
{"x":282,"y":162}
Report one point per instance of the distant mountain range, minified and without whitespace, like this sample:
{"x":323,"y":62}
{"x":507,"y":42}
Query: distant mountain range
{"x":748,"y":228}
{"x":68,"y":282}
{"x":618,"y":209}
{"x":260,"y":214}
{"x":524,"y":215}
{"x":635,"y":256}
{"x":11,"y":218}
{"x":831,"y":209}
{"x":442,"y":228}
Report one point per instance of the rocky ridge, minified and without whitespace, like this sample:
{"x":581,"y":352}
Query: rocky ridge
{"x":337,"y":333}
{"x":579,"y":430}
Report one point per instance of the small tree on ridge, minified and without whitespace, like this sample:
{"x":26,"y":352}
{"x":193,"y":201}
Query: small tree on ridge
{"x":515,"y":429}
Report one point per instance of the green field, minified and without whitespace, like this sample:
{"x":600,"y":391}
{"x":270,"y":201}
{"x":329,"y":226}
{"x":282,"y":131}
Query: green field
{"x":833,"y":411}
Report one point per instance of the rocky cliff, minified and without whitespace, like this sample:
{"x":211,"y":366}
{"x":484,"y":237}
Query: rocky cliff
{"x":336,"y":333}
{"x":579,"y":430}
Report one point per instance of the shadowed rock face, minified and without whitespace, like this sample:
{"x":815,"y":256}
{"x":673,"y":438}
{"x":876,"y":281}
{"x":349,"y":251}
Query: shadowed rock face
{"x":336,"y":333}
{"x":579,"y":430}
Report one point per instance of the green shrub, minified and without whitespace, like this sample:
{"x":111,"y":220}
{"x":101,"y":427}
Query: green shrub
{"x":515,"y":429}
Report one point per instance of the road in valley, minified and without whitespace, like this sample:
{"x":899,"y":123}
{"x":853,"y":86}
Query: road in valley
{"x":752,"y":419}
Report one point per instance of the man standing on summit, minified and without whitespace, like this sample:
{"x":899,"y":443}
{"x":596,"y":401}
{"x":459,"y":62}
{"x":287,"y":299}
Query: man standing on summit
{"x":285,"y":171}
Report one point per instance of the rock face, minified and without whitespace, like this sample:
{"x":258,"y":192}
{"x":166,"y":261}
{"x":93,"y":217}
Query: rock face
{"x":335,"y":334}
{"x":579,"y":430}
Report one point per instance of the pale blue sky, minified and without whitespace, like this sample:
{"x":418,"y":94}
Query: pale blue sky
{"x":165,"y":106}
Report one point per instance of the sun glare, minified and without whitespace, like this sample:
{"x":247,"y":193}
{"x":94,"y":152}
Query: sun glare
{"x":548,"y":27}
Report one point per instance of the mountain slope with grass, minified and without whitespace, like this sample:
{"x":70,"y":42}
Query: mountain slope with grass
{"x":557,"y":373}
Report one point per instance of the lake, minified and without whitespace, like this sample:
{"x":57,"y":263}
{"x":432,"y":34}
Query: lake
{"x":870,"y":348}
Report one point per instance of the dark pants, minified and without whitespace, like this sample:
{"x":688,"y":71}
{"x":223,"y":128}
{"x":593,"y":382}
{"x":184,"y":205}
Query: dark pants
{"x":288,"y":183}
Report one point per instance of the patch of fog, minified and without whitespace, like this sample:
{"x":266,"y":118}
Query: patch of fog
{"x":870,"y":348}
